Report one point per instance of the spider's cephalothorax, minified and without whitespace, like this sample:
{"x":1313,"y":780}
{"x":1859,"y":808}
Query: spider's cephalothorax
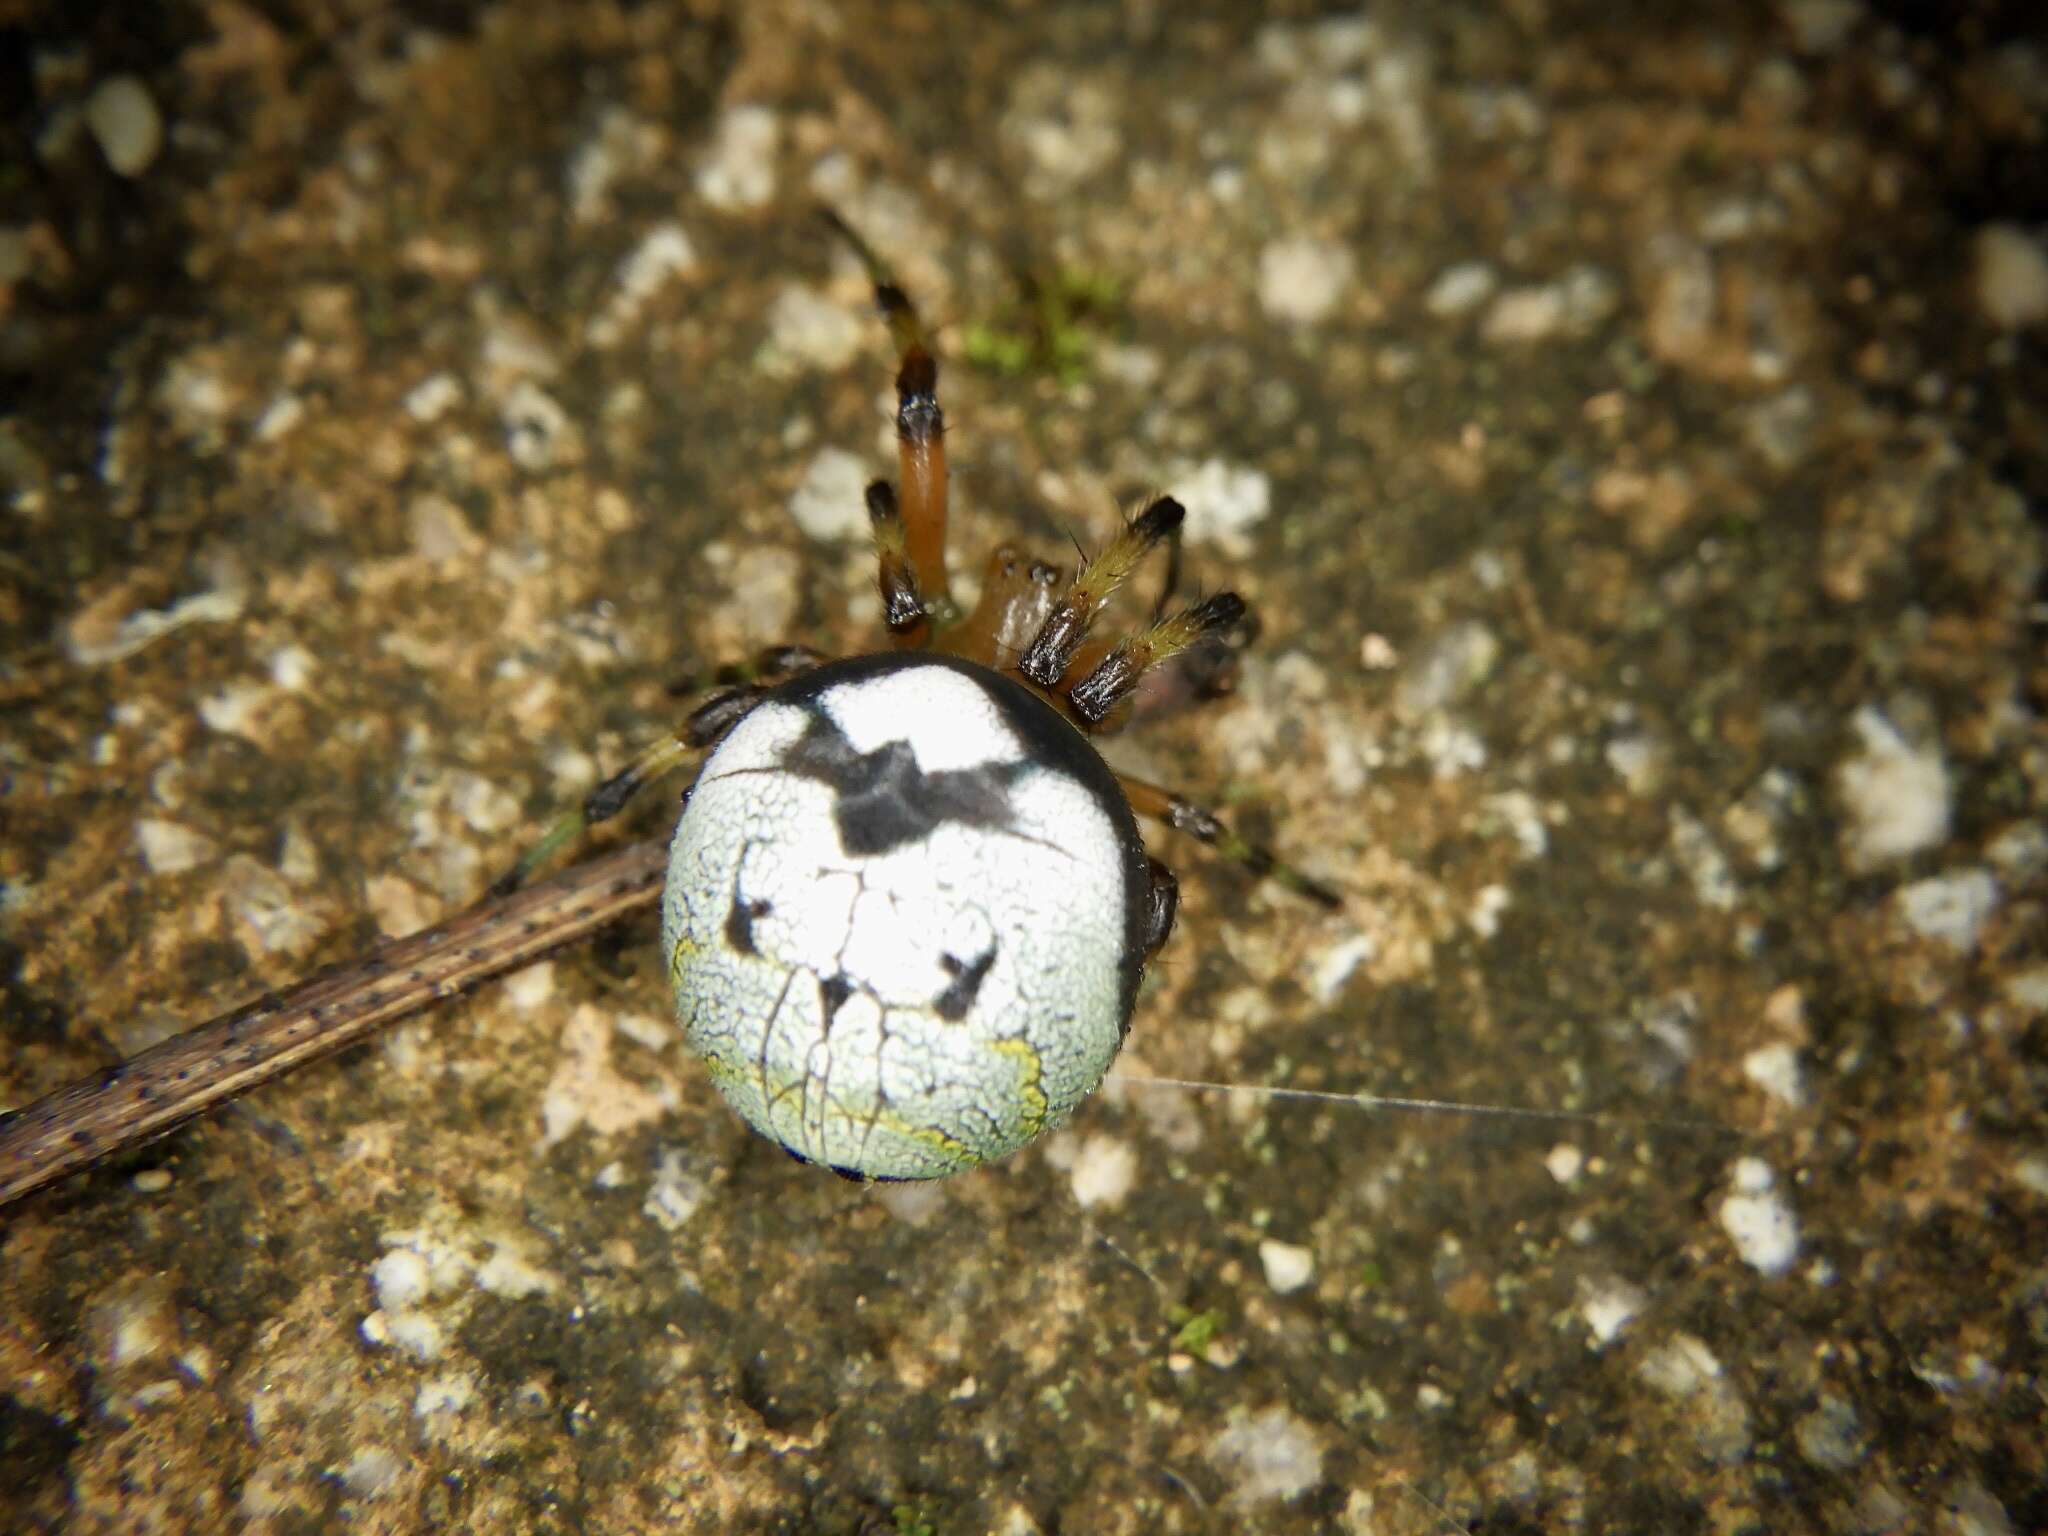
{"x":907,"y":904}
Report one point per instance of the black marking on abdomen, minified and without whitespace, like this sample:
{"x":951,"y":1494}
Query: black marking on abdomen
{"x":885,"y":801}
{"x":954,"y":1003}
{"x":833,"y":991}
{"x":739,"y":925}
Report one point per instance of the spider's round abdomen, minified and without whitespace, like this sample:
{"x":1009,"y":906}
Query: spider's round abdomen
{"x":904,"y":917}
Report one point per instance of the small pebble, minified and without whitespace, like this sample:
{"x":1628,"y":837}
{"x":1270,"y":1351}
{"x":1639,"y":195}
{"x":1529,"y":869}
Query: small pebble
{"x":739,"y":171}
{"x":1460,"y":289}
{"x":151,"y":1181}
{"x":807,"y":330}
{"x":1270,"y":1455}
{"x":831,"y":501}
{"x":1950,"y":909}
{"x":1103,"y":1172}
{"x":1288,"y":1266}
{"x":1896,"y":792}
{"x":124,"y":119}
{"x":1301,"y":281}
{"x":2012,"y":277}
{"x":1759,"y":1220}
{"x":1775,"y":1069}
{"x":1224,"y":503}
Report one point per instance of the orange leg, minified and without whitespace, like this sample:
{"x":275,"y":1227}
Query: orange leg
{"x":920,"y":439}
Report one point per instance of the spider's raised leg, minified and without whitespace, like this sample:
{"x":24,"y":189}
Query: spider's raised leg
{"x":1159,"y":803}
{"x":913,"y":532}
{"x":702,"y":730}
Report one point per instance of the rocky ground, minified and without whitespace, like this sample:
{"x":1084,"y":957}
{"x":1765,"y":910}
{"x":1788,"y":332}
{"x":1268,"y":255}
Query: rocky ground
{"x":1633,"y":437}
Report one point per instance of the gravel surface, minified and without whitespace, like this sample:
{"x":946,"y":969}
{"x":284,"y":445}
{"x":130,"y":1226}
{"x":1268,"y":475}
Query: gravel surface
{"x":1632,"y":437}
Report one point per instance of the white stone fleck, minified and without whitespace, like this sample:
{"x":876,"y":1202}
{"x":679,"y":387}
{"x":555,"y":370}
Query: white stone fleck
{"x":1302,"y":280}
{"x":433,"y":397}
{"x":831,"y":501}
{"x":738,"y":173}
{"x":1103,"y":1172}
{"x":1564,"y":1162}
{"x":1065,"y":127}
{"x":2012,"y":277}
{"x":267,"y":914}
{"x":763,"y":590}
{"x":1520,"y":815}
{"x":443,"y":1394}
{"x":1821,"y":26}
{"x":538,"y":432}
{"x":100,"y":633}
{"x":1637,"y":759}
{"x":1446,"y":667}
{"x":914,"y":1203}
{"x":1331,"y":969}
{"x":1224,"y":503}
{"x":1705,"y":865}
{"x":1896,"y":792}
{"x":1831,"y":1435}
{"x":1968,"y":1508}
{"x":401,"y":1279}
{"x":1951,"y":908}
{"x":1686,"y":1370}
{"x":808,"y":330}
{"x":623,"y":143}
{"x":1266,"y":1456}
{"x":2020,"y":851}
{"x":1608,"y":1306}
{"x":170,"y":848}
{"x":133,"y":1322}
{"x":414,"y":1332}
{"x":2030,"y":1172}
{"x":2028,"y":989}
{"x":1571,"y":306}
{"x":1487,"y":906}
{"x":284,"y":413}
{"x":371,"y":1473}
{"x":292,"y":667}
{"x":1759,"y":1219}
{"x":1775,"y":1069}
{"x":508,"y":1272}
{"x":232,"y":710}
{"x":678,"y":1189}
{"x":1460,"y":289}
{"x":486,"y":805}
{"x":1288,"y":1266}
{"x":530,"y":987}
{"x":124,"y":119}
{"x":586,"y":1090}
{"x":1451,"y":747}
{"x":663,"y":255}
{"x":644,"y":1030}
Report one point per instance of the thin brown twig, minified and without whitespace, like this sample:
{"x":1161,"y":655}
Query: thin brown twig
{"x":155,"y":1092}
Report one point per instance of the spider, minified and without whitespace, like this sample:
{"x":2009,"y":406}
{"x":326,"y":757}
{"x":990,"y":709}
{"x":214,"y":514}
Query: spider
{"x":907,"y":904}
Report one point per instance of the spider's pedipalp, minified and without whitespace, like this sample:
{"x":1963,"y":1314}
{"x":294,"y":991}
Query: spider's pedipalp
{"x":1052,"y":650}
{"x":1112,"y":679}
